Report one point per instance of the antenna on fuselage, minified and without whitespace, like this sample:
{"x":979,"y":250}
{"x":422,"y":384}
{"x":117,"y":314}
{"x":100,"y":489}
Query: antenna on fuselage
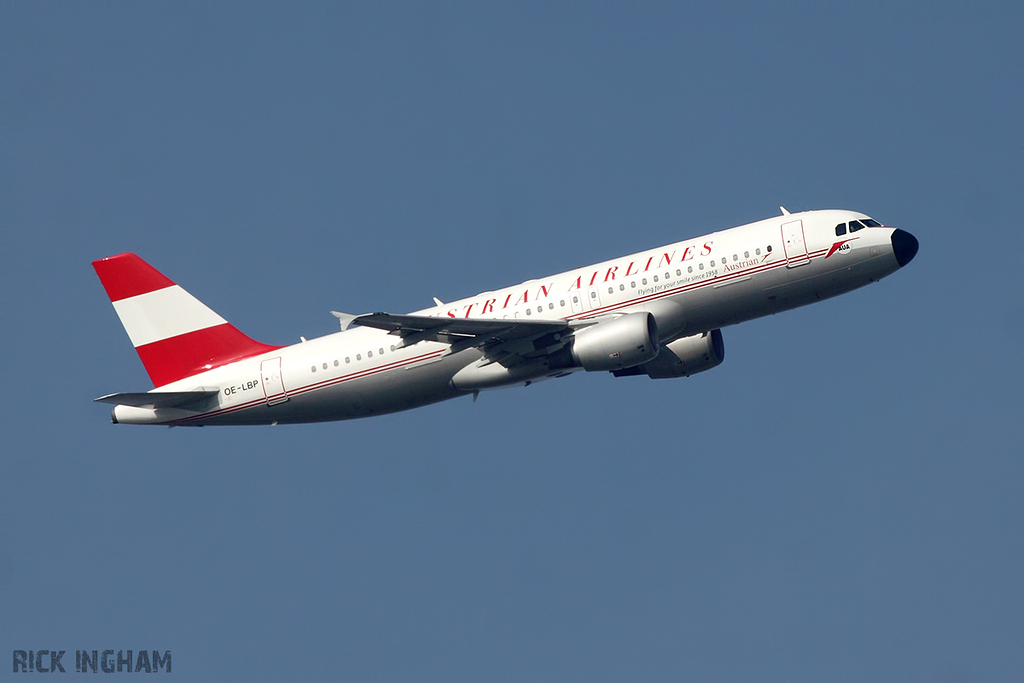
{"x":784,"y":212}
{"x":438,"y":301}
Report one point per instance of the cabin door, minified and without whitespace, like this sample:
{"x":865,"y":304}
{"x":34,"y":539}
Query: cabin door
{"x":794,"y":244}
{"x":273,"y":382}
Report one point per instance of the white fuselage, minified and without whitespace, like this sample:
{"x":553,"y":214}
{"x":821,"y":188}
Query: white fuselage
{"x":690,"y":287}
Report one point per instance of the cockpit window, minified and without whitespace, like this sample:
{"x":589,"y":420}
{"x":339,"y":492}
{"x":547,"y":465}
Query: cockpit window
{"x":856,"y":225}
{"x":871,"y":223}
{"x":840,"y":229}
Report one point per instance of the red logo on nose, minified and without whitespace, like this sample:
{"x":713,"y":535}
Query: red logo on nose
{"x":837,"y":246}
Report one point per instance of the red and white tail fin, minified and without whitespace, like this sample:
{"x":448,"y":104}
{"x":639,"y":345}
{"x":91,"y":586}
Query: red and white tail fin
{"x":174,"y":333}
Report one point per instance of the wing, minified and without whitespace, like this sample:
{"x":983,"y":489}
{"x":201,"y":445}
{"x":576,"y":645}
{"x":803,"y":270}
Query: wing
{"x":465,"y":333}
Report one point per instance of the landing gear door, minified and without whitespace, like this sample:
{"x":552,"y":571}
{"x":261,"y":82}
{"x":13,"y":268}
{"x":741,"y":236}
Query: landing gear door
{"x":273,"y":382}
{"x":794,"y":244}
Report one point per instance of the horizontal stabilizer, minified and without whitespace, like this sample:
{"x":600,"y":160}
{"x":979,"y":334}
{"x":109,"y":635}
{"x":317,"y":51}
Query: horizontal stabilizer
{"x":159,"y":399}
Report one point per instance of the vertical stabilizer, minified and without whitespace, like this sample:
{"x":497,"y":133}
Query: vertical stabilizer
{"x":175,"y":334}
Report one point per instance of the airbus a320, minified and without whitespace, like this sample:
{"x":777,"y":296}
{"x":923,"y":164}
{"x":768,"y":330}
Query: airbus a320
{"x":657,"y":313}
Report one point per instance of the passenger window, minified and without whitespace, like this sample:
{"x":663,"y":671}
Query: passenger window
{"x":529,"y":311}
{"x":551,"y":307}
{"x":757,"y":251}
{"x":335,"y":363}
{"x":712,"y":263}
{"x":769,"y":248}
{"x":610,"y":290}
{"x":840,"y":229}
{"x":655,"y":278}
{"x":575,"y":299}
{"x":668,"y":275}
{"x":348,"y":359}
{"x":700,"y":266}
{"x":540,"y":309}
{"x":678,"y":272}
{"x":312,"y":368}
{"x":359,"y":356}
{"x":746,"y":254}
{"x":644,"y":281}
{"x":622,"y":288}
{"x":593,"y":295}
{"x":381,"y":349}
{"x":562,"y":303}
{"x":855,"y":226}
{"x":369,"y":354}
{"x":689,"y":269}
{"x":392,"y":347}
{"x":735,"y":257}
{"x":633,"y":284}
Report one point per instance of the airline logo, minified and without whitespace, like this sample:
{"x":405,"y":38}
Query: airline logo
{"x":841,"y":245}
{"x":599,"y":276}
{"x":175,"y":334}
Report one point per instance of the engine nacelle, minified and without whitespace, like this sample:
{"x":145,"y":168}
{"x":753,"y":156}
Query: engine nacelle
{"x":616,"y":344}
{"x":683,"y":357}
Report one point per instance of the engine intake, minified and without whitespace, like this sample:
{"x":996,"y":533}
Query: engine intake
{"x":617,"y":344}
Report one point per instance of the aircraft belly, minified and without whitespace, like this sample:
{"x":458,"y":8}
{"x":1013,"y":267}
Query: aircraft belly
{"x":774,"y":291}
{"x":823,"y":281}
{"x":398,"y":389}
{"x":712,"y":307}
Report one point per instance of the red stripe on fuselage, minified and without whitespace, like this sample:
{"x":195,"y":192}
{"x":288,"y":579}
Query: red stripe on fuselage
{"x":169,"y":360}
{"x":127,"y":275}
{"x":394,"y":365}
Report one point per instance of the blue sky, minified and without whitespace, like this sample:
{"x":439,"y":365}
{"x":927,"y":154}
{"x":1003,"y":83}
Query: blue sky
{"x":840,"y":500}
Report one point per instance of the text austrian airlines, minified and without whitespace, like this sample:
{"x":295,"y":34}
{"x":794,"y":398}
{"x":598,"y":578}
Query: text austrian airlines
{"x":657,"y":313}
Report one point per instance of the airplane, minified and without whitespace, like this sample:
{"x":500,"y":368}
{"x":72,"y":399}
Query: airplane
{"x":656,"y":313}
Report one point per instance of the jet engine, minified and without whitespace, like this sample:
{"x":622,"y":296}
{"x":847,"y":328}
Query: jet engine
{"x":683,"y":357}
{"x":616,"y":344}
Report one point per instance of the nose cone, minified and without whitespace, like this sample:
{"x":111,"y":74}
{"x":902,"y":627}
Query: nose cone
{"x":904,"y":246}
